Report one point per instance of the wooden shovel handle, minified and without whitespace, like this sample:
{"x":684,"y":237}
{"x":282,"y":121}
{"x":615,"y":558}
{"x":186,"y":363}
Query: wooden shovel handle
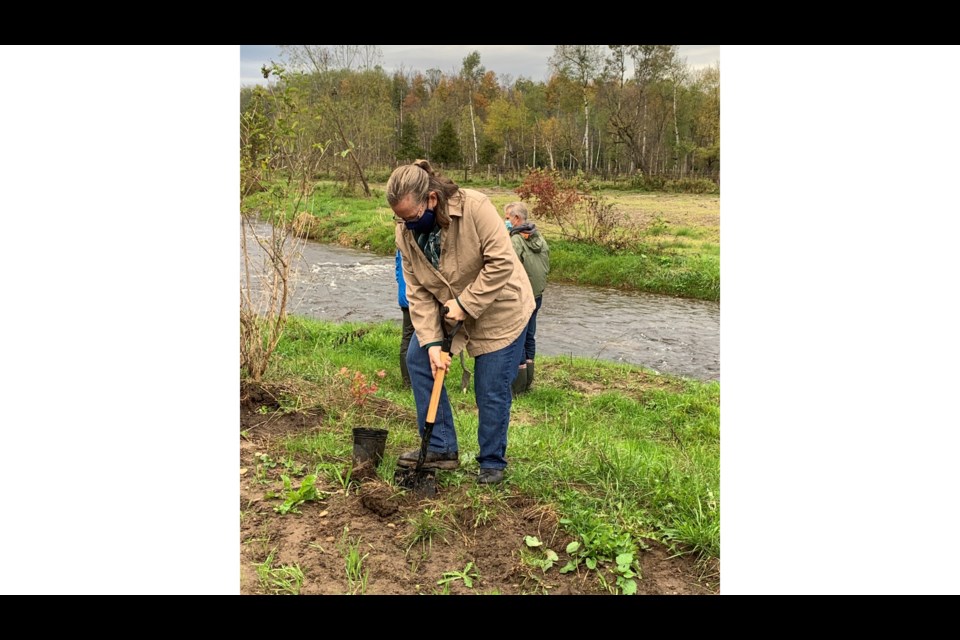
{"x":437,"y":387}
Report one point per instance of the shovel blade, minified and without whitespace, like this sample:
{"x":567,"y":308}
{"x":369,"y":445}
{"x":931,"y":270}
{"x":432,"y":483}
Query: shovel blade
{"x":422,"y":483}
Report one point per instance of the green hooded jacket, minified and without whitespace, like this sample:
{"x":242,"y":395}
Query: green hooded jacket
{"x":534,"y":253}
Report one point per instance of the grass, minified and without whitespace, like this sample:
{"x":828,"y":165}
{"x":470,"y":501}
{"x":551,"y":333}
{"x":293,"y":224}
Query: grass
{"x":338,"y":474}
{"x":318,"y":446}
{"x":484,"y":505}
{"x":622,"y":454}
{"x":678,"y":252}
{"x":285,"y":579}
{"x":357,"y":575}
{"x":347,"y":220}
{"x":426,"y":525}
{"x":658,"y":269}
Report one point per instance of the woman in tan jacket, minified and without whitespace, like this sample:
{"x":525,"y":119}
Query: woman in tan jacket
{"x":456,"y":253}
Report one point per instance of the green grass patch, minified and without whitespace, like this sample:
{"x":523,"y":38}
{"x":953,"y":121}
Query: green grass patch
{"x":348,"y":220}
{"x":285,"y":579}
{"x":655,"y":271}
{"x":621,"y":453}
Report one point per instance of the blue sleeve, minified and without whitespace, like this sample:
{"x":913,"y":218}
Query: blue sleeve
{"x":401,"y":285}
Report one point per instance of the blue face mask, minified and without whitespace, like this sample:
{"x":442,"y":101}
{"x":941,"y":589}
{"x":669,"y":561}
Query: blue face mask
{"x":509,"y":224}
{"x":425,"y":223}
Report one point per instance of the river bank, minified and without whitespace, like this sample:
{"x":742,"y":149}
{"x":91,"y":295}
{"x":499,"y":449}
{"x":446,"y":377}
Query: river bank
{"x":679,"y":253}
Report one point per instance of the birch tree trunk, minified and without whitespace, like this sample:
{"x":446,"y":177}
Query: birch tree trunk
{"x":586,"y":132}
{"x":676,"y":130}
{"x":643,"y":144}
{"x":473,"y":123}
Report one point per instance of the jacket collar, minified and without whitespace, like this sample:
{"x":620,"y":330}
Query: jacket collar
{"x":455,"y":205}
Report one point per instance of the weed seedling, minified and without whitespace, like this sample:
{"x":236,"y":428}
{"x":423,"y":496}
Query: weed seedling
{"x":468,"y":575}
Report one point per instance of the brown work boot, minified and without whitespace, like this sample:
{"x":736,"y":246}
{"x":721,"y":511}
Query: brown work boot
{"x":433,"y":459}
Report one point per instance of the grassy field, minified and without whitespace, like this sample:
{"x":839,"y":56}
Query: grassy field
{"x":623,"y":455}
{"x":678,"y":254}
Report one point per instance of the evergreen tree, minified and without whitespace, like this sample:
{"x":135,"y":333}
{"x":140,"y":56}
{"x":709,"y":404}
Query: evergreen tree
{"x":489,"y":152}
{"x":410,"y":149}
{"x":446,"y":146}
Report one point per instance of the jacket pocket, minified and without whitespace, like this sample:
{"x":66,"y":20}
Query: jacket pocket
{"x":509,"y":292}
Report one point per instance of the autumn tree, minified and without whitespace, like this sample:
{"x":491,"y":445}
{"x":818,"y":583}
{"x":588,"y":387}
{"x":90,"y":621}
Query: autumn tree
{"x":337,"y":108}
{"x":472,"y":72}
{"x":630,"y":121}
{"x":640,"y":111}
{"x":582,"y":63}
{"x":705,"y":127}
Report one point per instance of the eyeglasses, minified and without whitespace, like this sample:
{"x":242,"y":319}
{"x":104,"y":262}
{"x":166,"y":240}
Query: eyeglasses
{"x":398,"y":219}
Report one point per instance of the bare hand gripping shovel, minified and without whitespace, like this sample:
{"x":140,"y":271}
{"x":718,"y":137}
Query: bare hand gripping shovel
{"x":424,"y":481}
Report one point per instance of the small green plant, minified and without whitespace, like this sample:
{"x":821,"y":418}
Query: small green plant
{"x":357,"y":575}
{"x":595,"y":552}
{"x":537,"y":555}
{"x":295,"y":468}
{"x":468,"y":575}
{"x":283,"y":579}
{"x":424,"y":527}
{"x":263,"y":410}
{"x":295,"y":497}
{"x":264,"y":462}
{"x":625,"y":574}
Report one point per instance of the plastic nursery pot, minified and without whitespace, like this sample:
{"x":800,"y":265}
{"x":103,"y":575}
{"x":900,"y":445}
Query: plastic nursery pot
{"x":368,"y":445}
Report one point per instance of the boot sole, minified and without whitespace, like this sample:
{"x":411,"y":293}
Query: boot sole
{"x":442,"y":464}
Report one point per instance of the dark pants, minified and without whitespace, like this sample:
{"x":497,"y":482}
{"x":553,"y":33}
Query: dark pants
{"x":530,"y":346}
{"x":491,"y":383}
{"x":404,"y":344}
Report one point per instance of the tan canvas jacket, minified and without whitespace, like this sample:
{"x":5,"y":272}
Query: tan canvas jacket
{"x":478,"y":264}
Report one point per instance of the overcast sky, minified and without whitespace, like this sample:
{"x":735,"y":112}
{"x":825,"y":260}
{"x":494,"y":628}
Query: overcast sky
{"x":528,"y":60}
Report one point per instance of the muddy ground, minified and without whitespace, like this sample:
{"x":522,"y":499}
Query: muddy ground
{"x":381,"y":523}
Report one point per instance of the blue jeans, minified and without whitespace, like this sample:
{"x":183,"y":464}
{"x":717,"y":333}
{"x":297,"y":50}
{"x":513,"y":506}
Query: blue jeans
{"x":493,"y":373}
{"x":530,"y":344}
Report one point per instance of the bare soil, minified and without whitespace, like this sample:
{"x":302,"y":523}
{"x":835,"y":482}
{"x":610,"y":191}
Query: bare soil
{"x":382,"y":517}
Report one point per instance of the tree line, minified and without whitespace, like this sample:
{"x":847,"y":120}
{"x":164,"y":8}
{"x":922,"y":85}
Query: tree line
{"x":610,"y":111}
